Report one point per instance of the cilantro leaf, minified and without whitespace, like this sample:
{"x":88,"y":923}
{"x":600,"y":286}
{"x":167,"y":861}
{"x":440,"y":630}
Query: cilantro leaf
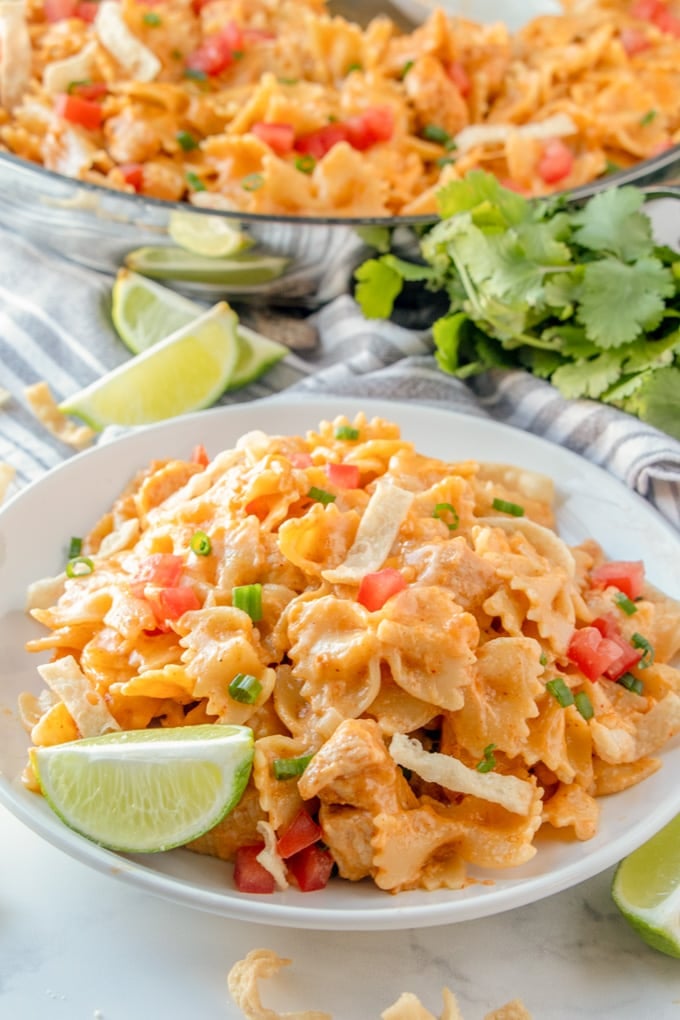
{"x":619,"y":301}
{"x":612,"y":222}
{"x":656,"y":400}
{"x":378,"y":287}
{"x":493,"y":204}
{"x":588,"y":378}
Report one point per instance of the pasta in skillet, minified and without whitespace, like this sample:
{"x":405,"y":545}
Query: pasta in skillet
{"x":431,"y":674}
{"x":280,"y":108}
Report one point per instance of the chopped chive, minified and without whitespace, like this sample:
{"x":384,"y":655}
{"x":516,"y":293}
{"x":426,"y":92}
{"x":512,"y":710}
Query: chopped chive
{"x":305,"y":164}
{"x":194,"y":181}
{"x":560,"y":691}
{"x":648,"y":118}
{"x":444,"y":161}
{"x":200,"y":543}
{"x":195,"y":74}
{"x":79,"y":566}
{"x":625,"y":604}
{"x":447,"y":514}
{"x":186,"y":140}
{"x":320,"y":495}
{"x":290,"y":768}
{"x":435,"y":133}
{"x":252,"y":182}
{"x":75,"y":548}
{"x":152,"y":19}
{"x":405,"y":69}
{"x":245,"y":688}
{"x":488,"y":762}
{"x":631,"y":683}
{"x":354,"y":66}
{"x":584,"y":705}
{"x":543,"y":659}
{"x":346,"y":432}
{"x":508,"y":508}
{"x":248,"y":597}
{"x":639,"y":641}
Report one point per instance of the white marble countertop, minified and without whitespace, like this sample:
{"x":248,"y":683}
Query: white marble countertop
{"x":79,"y":945}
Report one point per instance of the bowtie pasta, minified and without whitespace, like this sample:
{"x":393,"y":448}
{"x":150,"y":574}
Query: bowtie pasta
{"x":277,"y":107}
{"x":431,"y":674}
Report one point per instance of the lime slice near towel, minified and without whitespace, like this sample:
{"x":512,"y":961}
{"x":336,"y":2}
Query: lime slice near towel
{"x":646,"y":889}
{"x":187,"y":371}
{"x":142,"y":791}
{"x":145,"y":312}
{"x":213,"y":236}
{"x":171,"y":262}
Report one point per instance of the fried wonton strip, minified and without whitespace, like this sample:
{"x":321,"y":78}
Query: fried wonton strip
{"x":375,"y":535}
{"x":83,"y":701}
{"x":409,"y":1007}
{"x":269,"y":858}
{"x":45,"y":408}
{"x":114,"y":35}
{"x":514,"y":794}
{"x":243,"y":984}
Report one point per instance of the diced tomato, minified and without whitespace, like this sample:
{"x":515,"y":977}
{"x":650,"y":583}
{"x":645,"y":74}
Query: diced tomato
{"x":162,"y":569}
{"x":311,"y":868}
{"x":301,"y":460}
{"x":629,"y":656}
{"x":89,"y":89}
{"x":459,"y":77}
{"x":279,"y":137}
{"x":345,"y":476}
{"x":366,"y":129}
{"x":375,"y":589}
{"x":199,"y":455}
{"x":171,"y":603}
{"x":556,"y":161}
{"x":633,"y":40}
{"x":249,"y":875}
{"x":592,"y":653}
{"x":645,"y":10}
{"x":57,"y":10}
{"x":257,"y":35}
{"x":657,"y":13}
{"x":216,"y":52}
{"x":133,"y":174}
{"x":667,"y":21}
{"x":78,"y":111}
{"x":626,"y":575}
{"x":86,"y":10}
{"x":301,"y":833}
{"x":318,"y":143}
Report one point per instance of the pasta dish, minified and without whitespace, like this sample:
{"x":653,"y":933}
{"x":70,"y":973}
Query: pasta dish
{"x":432,"y":676}
{"x":280,"y":108}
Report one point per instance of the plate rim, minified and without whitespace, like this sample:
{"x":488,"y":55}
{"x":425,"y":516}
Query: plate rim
{"x":314,"y":408}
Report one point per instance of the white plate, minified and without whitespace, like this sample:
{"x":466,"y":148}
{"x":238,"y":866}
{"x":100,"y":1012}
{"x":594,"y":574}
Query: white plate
{"x":35,"y":529}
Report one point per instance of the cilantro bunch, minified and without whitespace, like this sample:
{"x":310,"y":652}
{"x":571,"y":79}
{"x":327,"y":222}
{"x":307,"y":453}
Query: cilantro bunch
{"x":582,"y":296}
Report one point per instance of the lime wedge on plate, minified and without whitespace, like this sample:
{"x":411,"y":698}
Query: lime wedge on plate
{"x":142,"y":791}
{"x":207,"y":235}
{"x":187,"y":371}
{"x":145,"y":312}
{"x":646,"y":889}
{"x":175,"y":263}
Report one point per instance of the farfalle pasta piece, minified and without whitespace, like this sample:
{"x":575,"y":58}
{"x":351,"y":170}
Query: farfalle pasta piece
{"x":319,"y":539}
{"x":630,"y":740}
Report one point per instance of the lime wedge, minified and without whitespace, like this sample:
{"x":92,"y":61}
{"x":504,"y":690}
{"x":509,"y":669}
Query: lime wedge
{"x":145,"y":312}
{"x":187,"y":371}
{"x":646,"y":889}
{"x":175,"y":263}
{"x":142,"y":791}
{"x":257,"y":354}
{"x":213,"y":236}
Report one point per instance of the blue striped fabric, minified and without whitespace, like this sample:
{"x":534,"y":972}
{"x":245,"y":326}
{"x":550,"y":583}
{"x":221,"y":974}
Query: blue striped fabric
{"x":54,"y":326}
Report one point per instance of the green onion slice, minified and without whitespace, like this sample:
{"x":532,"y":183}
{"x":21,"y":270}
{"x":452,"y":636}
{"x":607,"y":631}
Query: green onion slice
{"x":305,"y":163}
{"x":639,"y":641}
{"x":252,"y":182}
{"x":195,"y":181}
{"x":245,"y":688}
{"x":506,"y":507}
{"x":290,"y":768}
{"x":447,"y":513}
{"x":346,"y":432}
{"x":488,"y":762}
{"x":190,"y":72}
{"x":152,"y":19}
{"x":75,"y":547}
{"x":405,"y":69}
{"x":543,"y":659}
{"x":631,"y":683}
{"x":625,"y":604}
{"x":584,"y":705}
{"x":560,"y":691}
{"x":435,"y":133}
{"x":320,"y":495}
{"x":186,"y":141}
{"x":248,"y":597}
{"x":200,"y":543}
{"x":79,"y":566}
